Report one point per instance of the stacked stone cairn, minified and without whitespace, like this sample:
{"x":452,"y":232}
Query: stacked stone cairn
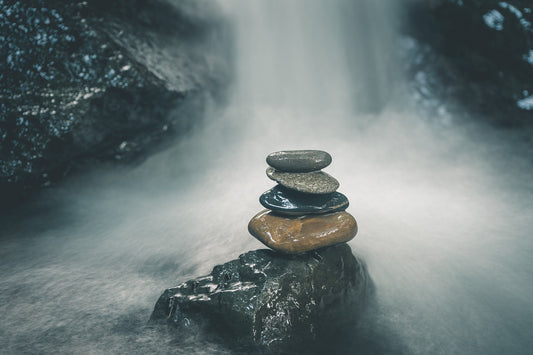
{"x":304,"y":211}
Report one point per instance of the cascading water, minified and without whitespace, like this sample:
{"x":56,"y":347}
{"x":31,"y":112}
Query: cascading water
{"x":312,"y":55}
{"x":444,"y":221}
{"x":295,"y":61}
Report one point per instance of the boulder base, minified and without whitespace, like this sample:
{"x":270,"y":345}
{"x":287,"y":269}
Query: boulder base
{"x":269,"y":300}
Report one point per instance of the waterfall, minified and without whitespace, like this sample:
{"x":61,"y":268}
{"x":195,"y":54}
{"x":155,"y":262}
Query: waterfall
{"x":309,"y":55}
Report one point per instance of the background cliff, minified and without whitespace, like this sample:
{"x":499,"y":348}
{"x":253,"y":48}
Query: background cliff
{"x":472,"y":59}
{"x":92,"y":81}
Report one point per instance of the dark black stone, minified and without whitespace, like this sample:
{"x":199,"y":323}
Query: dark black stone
{"x":284,"y":201}
{"x":270,"y":300}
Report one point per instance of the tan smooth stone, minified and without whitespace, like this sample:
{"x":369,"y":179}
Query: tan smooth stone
{"x":295,"y":235}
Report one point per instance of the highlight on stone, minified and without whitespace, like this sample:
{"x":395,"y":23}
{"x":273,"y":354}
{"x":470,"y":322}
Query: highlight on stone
{"x":304,"y":211}
{"x":289,"y":202}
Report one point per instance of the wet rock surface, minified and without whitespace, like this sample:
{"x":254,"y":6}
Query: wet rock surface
{"x":315,"y":182}
{"x":299,"y":160}
{"x":93,"y":81}
{"x":472,"y":59}
{"x":288,"y":202}
{"x":295,"y":235}
{"x":267,"y":300}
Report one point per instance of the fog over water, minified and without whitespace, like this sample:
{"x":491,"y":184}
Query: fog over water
{"x":444,"y":211}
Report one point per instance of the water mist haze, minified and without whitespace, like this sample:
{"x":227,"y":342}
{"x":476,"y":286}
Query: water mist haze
{"x":444,"y":211}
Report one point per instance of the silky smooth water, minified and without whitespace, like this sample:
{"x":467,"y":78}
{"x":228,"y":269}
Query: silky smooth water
{"x":445,"y":212}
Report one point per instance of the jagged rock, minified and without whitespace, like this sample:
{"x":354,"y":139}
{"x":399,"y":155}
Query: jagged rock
{"x":86,"y":81}
{"x":269,"y":300}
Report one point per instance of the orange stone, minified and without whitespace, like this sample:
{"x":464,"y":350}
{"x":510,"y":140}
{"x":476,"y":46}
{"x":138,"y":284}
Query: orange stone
{"x":295,"y":235}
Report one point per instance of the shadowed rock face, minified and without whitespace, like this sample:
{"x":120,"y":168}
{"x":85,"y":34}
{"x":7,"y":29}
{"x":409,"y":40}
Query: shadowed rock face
{"x":475,"y":55}
{"x":91,"y":81}
{"x":269,"y":300}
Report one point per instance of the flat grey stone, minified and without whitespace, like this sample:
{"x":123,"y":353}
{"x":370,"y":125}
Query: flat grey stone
{"x":299,"y":161}
{"x":314,"y":182}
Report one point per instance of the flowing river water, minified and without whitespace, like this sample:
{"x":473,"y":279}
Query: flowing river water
{"x":445,"y":212}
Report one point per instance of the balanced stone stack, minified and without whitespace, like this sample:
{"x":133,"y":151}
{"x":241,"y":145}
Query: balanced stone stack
{"x":304,"y":211}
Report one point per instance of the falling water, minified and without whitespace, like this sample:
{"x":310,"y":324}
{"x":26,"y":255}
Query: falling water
{"x":313,"y":55}
{"x":444,"y":215}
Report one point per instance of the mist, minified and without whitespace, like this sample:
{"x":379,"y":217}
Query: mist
{"x":444,"y":210}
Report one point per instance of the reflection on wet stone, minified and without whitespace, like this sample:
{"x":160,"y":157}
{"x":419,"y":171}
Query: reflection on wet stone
{"x":288,"y":202}
{"x":295,"y":235}
{"x":269,"y":300}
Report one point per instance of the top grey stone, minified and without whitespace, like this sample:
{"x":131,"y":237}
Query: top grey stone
{"x":300,"y":161}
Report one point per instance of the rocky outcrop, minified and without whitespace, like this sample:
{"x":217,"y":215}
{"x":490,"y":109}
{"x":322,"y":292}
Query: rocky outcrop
{"x":86,"y":81}
{"x":474,"y":55}
{"x":268,"y":300}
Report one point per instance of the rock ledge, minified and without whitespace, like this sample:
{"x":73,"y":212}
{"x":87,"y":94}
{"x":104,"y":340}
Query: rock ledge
{"x":267,"y":299}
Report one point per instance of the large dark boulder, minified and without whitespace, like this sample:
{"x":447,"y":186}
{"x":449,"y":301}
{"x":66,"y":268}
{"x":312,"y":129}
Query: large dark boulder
{"x":472,"y":56}
{"x":269,"y":300}
{"x":90,"y":81}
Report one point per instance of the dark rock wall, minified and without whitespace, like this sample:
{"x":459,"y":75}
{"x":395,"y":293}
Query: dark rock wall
{"x":475,"y":55}
{"x":87,"y":81}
